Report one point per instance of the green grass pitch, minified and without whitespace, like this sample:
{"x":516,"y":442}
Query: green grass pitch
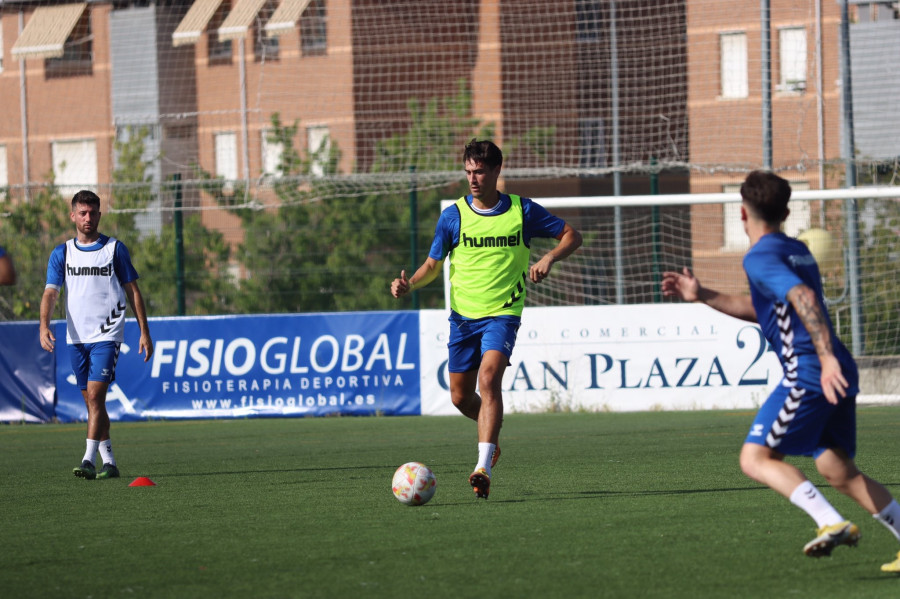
{"x":638,"y":505}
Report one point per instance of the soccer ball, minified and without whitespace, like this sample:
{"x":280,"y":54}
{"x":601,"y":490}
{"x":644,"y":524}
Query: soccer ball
{"x":413,"y":484}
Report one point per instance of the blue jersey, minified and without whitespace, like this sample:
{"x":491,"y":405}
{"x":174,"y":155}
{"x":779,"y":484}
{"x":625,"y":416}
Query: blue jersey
{"x":775,"y":265}
{"x":537,"y":222}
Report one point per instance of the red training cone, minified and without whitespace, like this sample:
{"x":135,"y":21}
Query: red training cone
{"x":142,"y":481}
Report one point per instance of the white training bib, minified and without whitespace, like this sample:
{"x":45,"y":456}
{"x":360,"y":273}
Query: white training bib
{"x":95,"y":299}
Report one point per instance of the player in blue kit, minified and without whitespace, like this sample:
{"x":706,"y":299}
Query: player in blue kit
{"x":97,"y":273}
{"x":487,"y":237}
{"x":812,"y":412}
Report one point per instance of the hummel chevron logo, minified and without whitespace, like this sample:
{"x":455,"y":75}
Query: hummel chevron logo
{"x":114,"y":316}
{"x":517,"y":294}
{"x":785,"y":417}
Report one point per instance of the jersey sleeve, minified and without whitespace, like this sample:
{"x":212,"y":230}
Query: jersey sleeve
{"x":122,"y":264}
{"x":56,"y":268}
{"x":538,"y":222}
{"x":446,"y":234}
{"x":771,"y":274}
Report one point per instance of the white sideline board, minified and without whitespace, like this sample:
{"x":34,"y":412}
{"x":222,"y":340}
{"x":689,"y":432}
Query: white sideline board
{"x":617,"y":358}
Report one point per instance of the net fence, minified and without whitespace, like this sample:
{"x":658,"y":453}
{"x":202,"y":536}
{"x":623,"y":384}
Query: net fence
{"x":291,"y":155}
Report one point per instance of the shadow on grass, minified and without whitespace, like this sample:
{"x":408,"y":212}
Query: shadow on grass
{"x":272,"y":471}
{"x":647,"y":493}
{"x":576,"y":495}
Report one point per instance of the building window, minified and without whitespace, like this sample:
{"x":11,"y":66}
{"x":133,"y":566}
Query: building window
{"x":74,"y":165}
{"x":589,"y":20}
{"x":180,"y":132}
{"x":792,"y":59}
{"x":226,"y":156}
{"x":314,"y":30}
{"x":272,"y":152}
{"x":735,"y":237}
{"x":318,"y":145}
{"x":733,"y":48}
{"x":127,"y":132}
{"x":78,"y":51}
{"x":265,"y":47}
{"x":219,"y":49}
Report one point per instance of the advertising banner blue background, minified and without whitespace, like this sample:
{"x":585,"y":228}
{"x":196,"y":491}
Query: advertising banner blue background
{"x":26,"y":374}
{"x":358,"y":363}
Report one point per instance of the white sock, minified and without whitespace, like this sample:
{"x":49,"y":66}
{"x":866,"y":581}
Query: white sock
{"x":890,"y":517}
{"x":485,"y":453}
{"x":808,"y":498}
{"x":90,"y":452}
{"x":106,"y":452}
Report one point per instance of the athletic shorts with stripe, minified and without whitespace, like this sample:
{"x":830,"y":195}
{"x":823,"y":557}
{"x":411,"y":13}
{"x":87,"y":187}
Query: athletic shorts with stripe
{"x":801,"y":422}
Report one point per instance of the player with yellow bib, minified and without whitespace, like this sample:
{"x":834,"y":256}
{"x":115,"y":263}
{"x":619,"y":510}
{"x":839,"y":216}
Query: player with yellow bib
{"x":487,"y":235}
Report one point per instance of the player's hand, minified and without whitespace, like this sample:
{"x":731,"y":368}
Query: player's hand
{"x":48,"y":341}
{"x":400,"y":287}
{"x":540,"y":269}
{"x":834,"y":385}
{"x":145,"y":345}
{"x":683,"y":285}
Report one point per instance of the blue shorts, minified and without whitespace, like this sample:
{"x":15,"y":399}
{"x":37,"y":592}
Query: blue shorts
{"x":801,"y":422}
{"x":94,"y":362}
{"x":469,"y":339}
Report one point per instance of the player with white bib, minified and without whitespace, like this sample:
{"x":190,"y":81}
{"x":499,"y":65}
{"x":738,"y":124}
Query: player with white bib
{"x":98,"y":276}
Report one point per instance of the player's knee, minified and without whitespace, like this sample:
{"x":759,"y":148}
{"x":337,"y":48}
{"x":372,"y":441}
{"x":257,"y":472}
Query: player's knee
{"x":747,"y":467}
{"x":840,"y":483}
{"x":96,"y":402}
{"x":467,"y":403}
{"x":752,"y":461}
{"x":838,"y":469}
{"x":840,"y":478}
{"x":459,"y":399}
{"x":490,"y":383}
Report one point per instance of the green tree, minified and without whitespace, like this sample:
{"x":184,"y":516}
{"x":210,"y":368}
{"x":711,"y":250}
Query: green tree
{"x":284,"y":251}
{"x":207,"y":284}
{"x":30,"y":230}
{"x":324,"y":248}
{"x":439,"y":130}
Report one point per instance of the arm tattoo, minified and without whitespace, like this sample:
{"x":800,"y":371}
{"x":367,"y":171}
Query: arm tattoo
{"x":811,"y":314}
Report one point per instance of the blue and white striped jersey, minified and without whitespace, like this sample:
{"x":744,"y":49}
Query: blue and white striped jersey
{"x":774,"y":265}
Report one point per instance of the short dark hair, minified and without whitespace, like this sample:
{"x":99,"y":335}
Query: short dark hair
{"x":484,"y":152}
{"x":86,"y":196}
{"x":766,"y":195}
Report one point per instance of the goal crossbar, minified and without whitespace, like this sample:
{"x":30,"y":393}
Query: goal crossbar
{"x":684,"y":199}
